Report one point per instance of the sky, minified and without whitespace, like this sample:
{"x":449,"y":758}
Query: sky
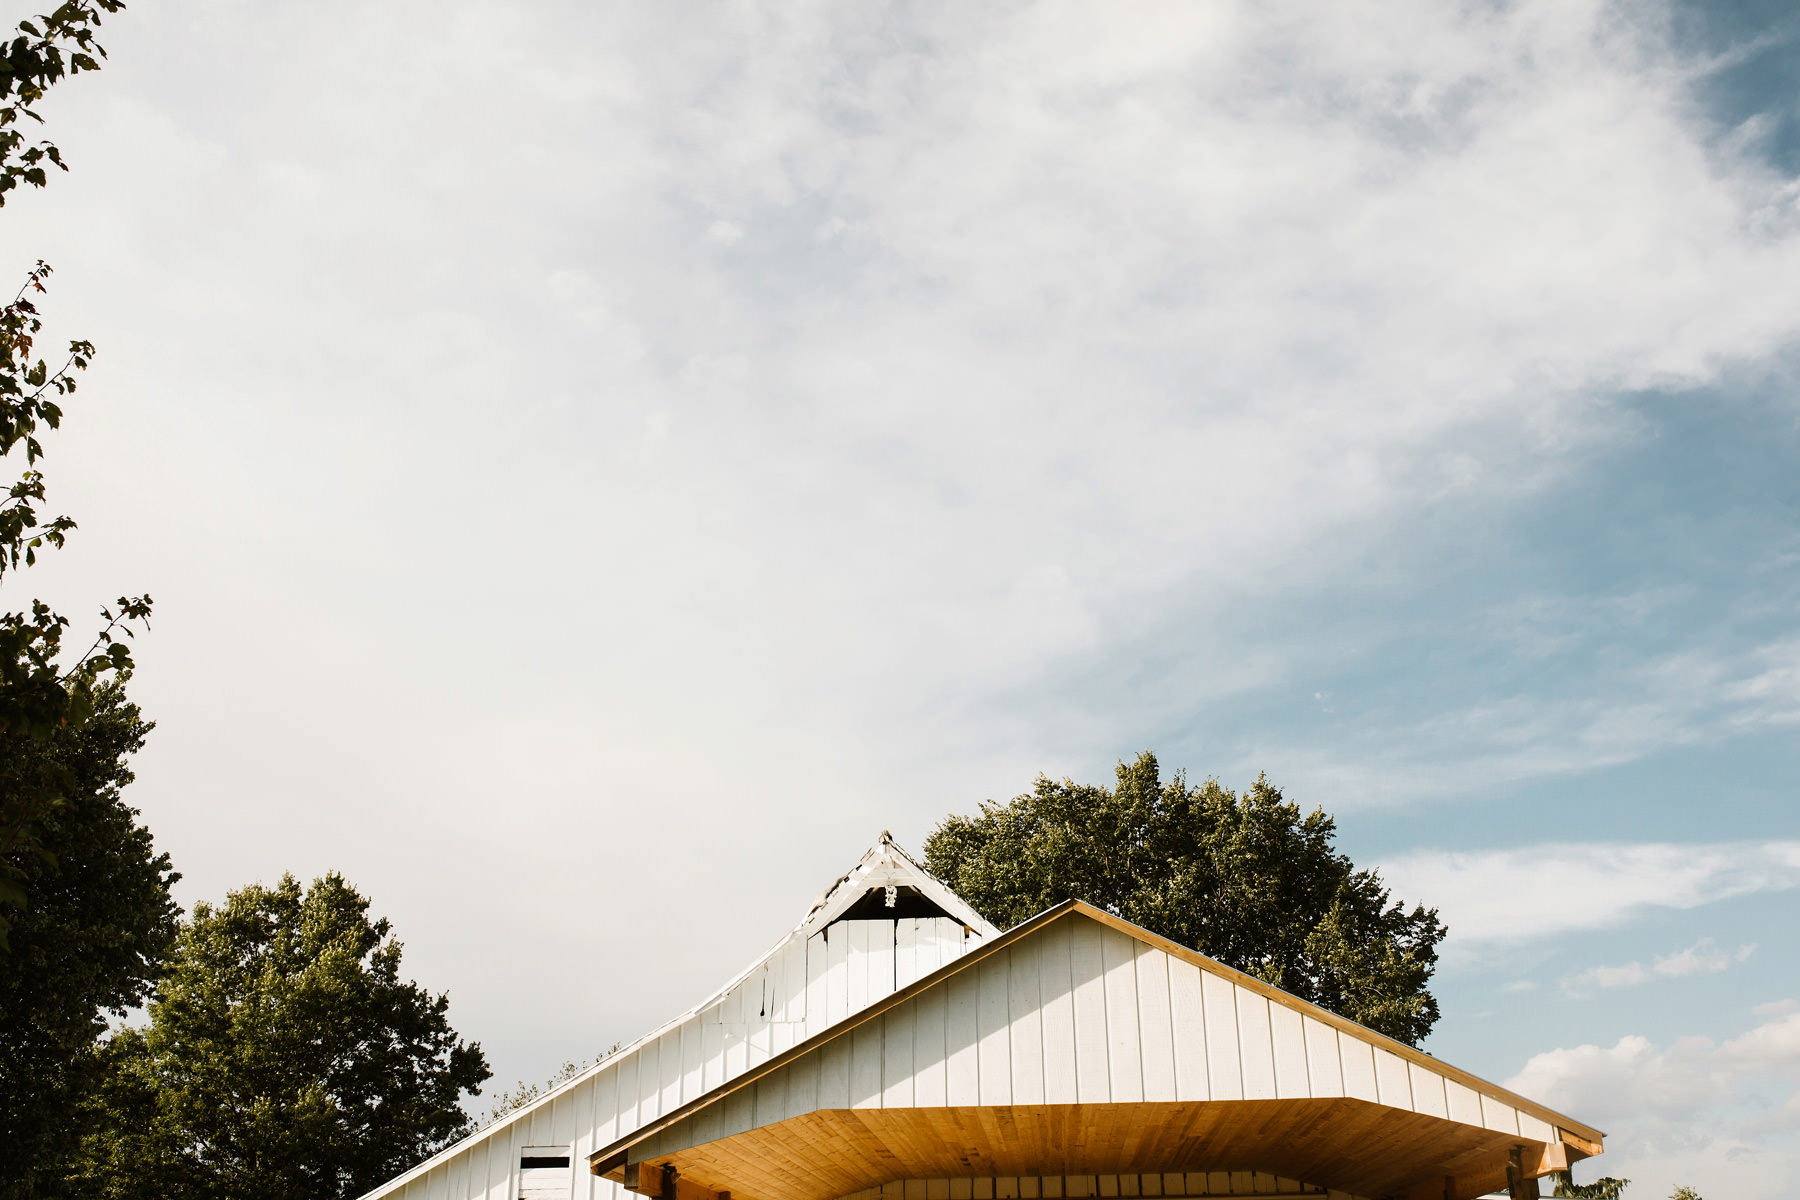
{"x":598,"y":466}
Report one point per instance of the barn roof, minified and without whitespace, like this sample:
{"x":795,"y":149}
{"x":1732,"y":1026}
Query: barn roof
{"x":1325,"y":1099}
{"x":894,"y":1046}
{"x":884,"y":865}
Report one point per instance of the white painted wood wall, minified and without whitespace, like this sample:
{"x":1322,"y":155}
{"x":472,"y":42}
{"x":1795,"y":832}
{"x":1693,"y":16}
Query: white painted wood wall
{"x":1079,"y":1012}
{"x":801,"y":988}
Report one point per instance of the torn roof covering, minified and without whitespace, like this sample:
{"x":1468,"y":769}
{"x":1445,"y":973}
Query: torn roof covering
{"x":886,"y":865}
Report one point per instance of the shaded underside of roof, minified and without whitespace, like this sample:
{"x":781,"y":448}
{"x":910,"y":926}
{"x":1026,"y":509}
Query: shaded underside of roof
{"x":1339,"y":1145}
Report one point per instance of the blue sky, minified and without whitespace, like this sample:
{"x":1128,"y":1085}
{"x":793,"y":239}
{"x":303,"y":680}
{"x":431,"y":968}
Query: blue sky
{"x":578,"y":447}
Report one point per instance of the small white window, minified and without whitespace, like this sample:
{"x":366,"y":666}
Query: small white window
{"x":545,"y":1173}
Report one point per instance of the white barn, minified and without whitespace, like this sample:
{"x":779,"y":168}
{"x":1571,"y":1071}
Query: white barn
{"x":895,"y":1046}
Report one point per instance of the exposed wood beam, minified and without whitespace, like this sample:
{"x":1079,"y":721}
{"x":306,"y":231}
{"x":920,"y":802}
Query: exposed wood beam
{"x":1555,"y":1157}
{"x":665,"y":1183}
{"x":644,"y":1179}
{"x":1519,"y":1184}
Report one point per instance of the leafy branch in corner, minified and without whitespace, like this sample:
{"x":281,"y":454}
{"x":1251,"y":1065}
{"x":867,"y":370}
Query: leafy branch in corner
{"x":40,"y":693}
{"x":58,"y":43}
{"x":523,"y":1093}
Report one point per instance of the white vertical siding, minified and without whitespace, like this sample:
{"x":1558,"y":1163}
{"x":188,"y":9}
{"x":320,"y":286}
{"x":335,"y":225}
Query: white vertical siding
{"x":1187,"y":1014}
{"x":866,"y":1048}
{"x":1078,"y":1012}
{"x":834,"y":1074}
{"x":1499,"y":1117}
{"x":931,"y":1047}
{"x":899,"y":1066}
{"x":1026,"y":1043}
{"x":1056,"y":993}
{"x":1465,"y":1102}
{"x":456,"y":1178}
{"x":1155,"y":1026}
{"x":882,"y":960}
{"x":1289,"y":1051}
{"x":1535,"y":1129}
{"x":1393,"y":1082}
{"x":1256,"y":1044}
{"x":906,"y":937}
{"x":815,"y":983}
{"x":1082,"y":1013}
{"x":962,"y":1074}
{"x":1125,"y":1058}
{"x":1324,"y":1067}
{"x":994,"y":1029}
{"x":1087,"y":971}
{"x":500,"y":1160}
{"x":1225,"y":1067}
{"x":802,"y":987}
{"x":1427,"y":1091}
{"x":1359,"y":1068}
{"x":857,"y":962}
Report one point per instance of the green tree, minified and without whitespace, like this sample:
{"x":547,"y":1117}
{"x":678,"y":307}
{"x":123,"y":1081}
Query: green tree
{"x":1684,"y":1192}
{"x":284,"y":1056}
{"x":40,"y":693}
{"x":1246,"y":879}
{"x":1603,"y":1188}
{"x":89,"y":942}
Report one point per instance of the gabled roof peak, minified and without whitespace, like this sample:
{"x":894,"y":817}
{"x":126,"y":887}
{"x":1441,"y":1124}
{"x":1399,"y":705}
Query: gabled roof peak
{"x":883,"y":866}
{"x":886,"y":865}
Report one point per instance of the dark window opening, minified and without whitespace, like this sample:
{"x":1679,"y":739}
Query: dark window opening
{"x":908,"y":902}
{"x":532,"y":1160}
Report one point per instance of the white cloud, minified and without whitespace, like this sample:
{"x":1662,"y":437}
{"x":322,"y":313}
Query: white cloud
{"x":1680,"y":698}
{"x":701,"y":429}
{"x":724,"y":232}
{"x":1628,"y":975}
{"x":1702,"y":958}
{"x":1724,"y":1117}
{"x":1596,"y":886}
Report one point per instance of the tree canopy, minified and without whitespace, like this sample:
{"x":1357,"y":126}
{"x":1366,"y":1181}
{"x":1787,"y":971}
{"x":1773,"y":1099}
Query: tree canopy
{"x":1604,"y":1188}
{"x":284,"y":1056}
{"x":1244,"y":878}
{"x":88,"y":943}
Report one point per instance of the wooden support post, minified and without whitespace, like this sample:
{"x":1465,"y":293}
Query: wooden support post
{"x":1519,"y":1185}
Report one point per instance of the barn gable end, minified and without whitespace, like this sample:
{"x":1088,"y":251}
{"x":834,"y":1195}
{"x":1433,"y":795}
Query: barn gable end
{"x":894,"y":1046}
{"x":843,"y":956}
